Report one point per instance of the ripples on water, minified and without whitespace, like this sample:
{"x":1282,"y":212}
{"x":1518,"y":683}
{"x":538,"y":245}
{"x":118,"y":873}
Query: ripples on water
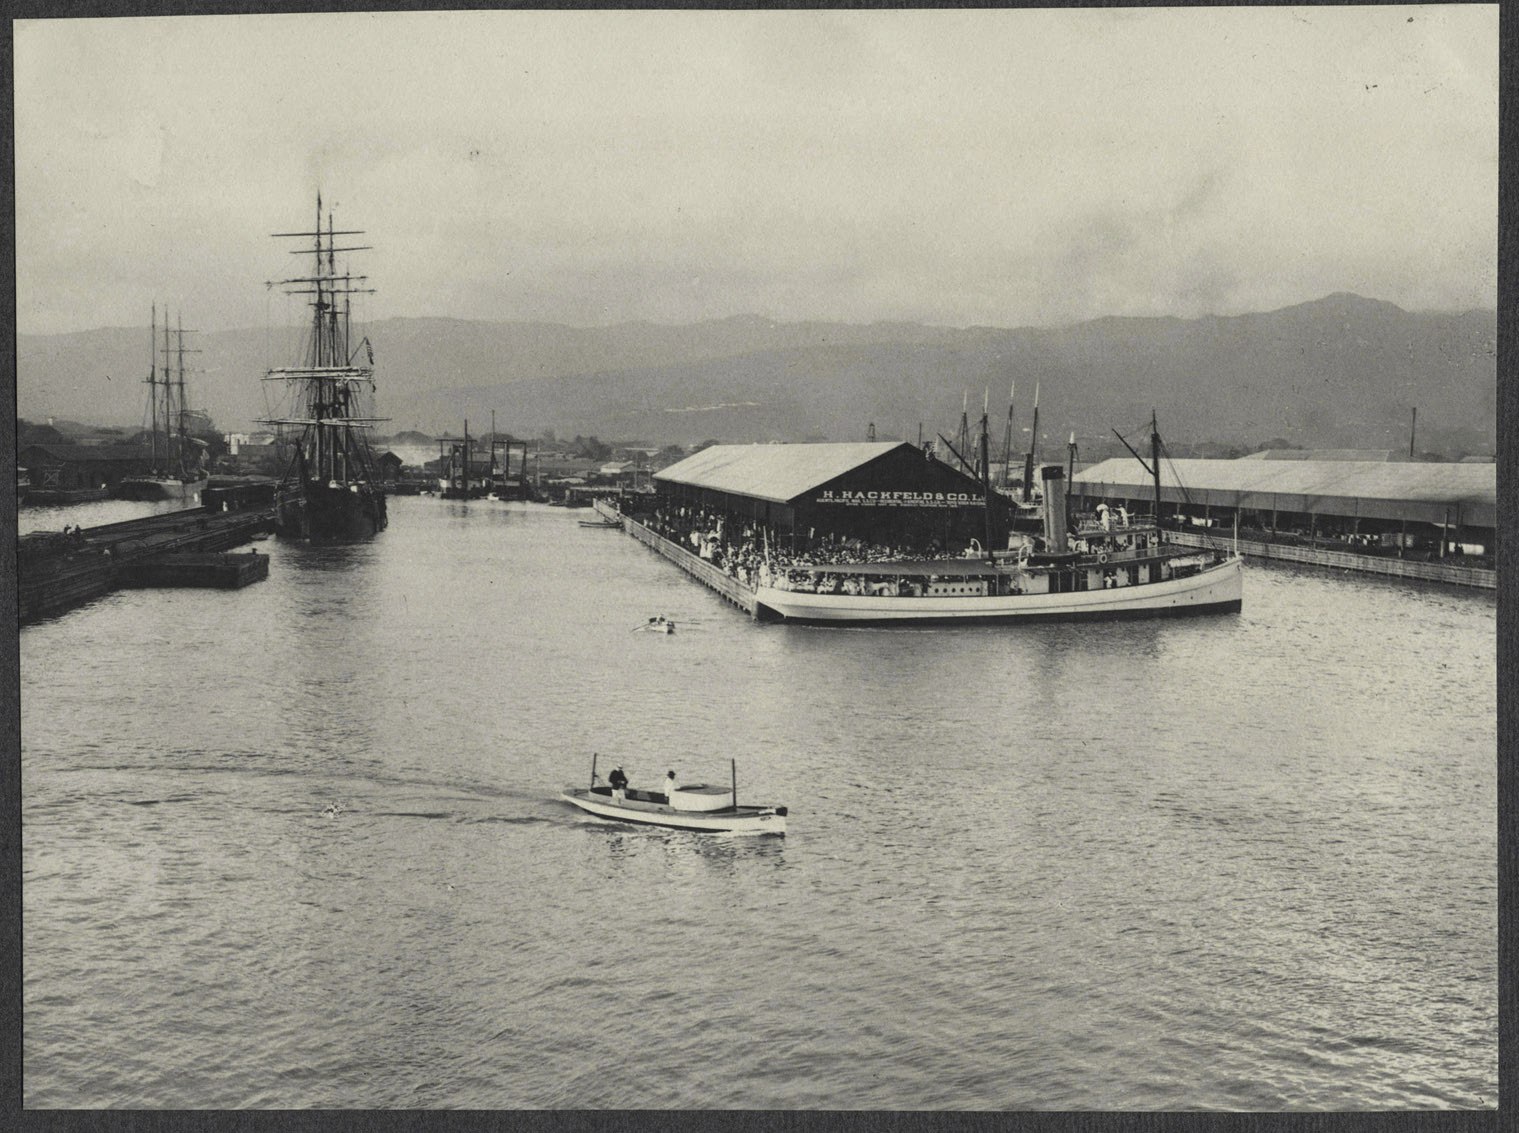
{"x":1244,"y":862}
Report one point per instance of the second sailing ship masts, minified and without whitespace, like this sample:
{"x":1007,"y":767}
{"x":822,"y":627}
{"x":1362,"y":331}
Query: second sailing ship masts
{"x":153,"y":390}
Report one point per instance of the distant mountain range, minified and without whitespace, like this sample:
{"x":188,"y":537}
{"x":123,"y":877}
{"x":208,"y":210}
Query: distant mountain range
{"x":1342,"y":371}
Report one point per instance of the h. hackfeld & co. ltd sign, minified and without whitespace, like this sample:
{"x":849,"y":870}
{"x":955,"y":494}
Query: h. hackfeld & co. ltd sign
{"x":832,"y":497}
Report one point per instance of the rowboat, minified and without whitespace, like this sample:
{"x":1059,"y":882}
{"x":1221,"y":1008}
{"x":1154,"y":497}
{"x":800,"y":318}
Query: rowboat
{"x":704,"y":807}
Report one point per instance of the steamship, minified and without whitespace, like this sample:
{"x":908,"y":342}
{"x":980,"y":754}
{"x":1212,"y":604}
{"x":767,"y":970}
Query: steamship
{"x":1107,"y":565}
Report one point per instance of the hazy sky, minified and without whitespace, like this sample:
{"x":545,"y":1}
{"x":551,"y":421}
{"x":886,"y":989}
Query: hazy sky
{"x":1004,"y":168}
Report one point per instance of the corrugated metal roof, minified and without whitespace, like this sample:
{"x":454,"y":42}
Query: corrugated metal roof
{"x":1321,"y":454}
{"x":773,"y":472}
{"x":1367,"y":480}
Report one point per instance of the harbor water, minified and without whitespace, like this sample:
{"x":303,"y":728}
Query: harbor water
{"x":300,"y":845}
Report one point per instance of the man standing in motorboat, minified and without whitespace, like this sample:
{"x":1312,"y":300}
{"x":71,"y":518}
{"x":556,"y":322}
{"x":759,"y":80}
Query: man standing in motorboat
{"x":619,"y":783}
{"x":670,"y":788}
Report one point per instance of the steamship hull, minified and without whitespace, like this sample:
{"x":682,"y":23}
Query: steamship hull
{"x":1214,"y":590}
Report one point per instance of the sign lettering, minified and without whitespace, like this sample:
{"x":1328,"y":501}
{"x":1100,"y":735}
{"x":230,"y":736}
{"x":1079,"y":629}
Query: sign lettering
{"x":846,"y":498}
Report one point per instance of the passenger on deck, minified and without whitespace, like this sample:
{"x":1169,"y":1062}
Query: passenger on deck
{"x":619,"y":783}
{"x":669,"y":785}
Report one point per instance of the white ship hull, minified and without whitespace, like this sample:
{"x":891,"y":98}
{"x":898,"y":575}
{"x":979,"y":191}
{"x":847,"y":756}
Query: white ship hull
{"x":1218,"y":589}
{"x":160,"y":488}
{"x":644,"y":811}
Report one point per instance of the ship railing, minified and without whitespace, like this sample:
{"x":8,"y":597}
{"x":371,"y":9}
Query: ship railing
{"x":1090,"y":524}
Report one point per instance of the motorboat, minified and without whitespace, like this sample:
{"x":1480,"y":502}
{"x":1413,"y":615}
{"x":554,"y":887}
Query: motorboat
{"x":704,"y":807}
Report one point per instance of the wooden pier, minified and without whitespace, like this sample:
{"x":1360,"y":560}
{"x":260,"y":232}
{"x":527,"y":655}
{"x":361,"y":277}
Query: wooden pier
{"x":57,"y":571}
{"x":1344,"y":560}
{"x":726,"y":586}
{"x":219,"y":571}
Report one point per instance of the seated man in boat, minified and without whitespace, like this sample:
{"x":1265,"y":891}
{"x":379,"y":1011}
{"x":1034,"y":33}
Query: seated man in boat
{"x":619,"y":783}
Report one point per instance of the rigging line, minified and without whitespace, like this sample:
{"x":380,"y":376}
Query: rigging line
{"x":1165,"y":451}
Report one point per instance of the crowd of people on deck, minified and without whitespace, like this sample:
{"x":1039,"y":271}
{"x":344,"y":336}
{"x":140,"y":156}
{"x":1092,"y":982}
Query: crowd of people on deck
{"x":742,"y":549}
{"x":745,"y":551}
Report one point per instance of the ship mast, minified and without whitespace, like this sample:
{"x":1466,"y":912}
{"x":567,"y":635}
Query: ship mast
{"x":1070,"y":476}
{"x":153,"y":391}
{"x":328,"y":451}
{"x":180,"y":392}
{"x":179,"y":342}
{"x":962,"y":438}
{"x":1007,"y":438}
{"x":1033,"y":451}
{"x":168,"y":400}
{"x":1155,"y":462}
{"x":986,"y":478}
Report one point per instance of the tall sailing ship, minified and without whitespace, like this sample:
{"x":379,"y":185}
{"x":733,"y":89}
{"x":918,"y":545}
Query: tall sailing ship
{"x":177,"y":469}
{"x":330,"y":488}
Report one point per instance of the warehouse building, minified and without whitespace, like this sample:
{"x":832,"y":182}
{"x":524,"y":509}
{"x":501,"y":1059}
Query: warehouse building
{"x":73,"y":467}
{"x":1401,"y":504}
{"x":887,"y":492}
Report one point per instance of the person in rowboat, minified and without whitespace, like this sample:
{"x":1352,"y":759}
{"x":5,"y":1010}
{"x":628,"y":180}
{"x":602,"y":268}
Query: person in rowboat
{"x":619,"y":783}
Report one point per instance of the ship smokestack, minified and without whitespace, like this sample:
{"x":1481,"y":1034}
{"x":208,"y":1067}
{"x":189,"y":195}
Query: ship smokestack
{"x":1054,"y":509}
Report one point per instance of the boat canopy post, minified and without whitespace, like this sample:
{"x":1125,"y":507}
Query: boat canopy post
{"x":593,"y":771}
{"x":733,"y":769}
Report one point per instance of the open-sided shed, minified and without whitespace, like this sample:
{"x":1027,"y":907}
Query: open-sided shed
{"x":1341,"y":491}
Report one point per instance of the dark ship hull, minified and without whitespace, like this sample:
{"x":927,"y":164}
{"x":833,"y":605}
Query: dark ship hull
{"x":324,"y":513}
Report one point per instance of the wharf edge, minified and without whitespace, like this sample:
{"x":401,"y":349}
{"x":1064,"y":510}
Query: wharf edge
{"x":1479,"y":577}
{"x":730,"y":589}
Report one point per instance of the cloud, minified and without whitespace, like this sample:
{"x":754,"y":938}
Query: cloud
{"x":993,"y":167}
